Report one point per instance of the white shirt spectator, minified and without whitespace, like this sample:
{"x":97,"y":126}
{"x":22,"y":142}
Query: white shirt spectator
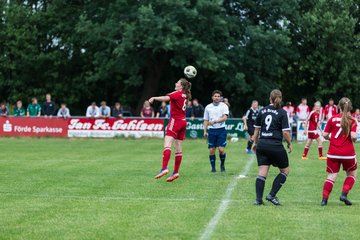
{"x":213,"y":112}
{"x":105,"y":111}
{"x":64,"y":113}
{"x":92,"y":111}
{"x":302,"y":111}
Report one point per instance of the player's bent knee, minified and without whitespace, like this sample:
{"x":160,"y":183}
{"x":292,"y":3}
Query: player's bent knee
{"x":285,"y":170}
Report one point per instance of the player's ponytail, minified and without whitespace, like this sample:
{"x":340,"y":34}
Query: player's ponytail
{"x":276,"y":98}
{"x":186,"y":88}
{"x":345,"y":106}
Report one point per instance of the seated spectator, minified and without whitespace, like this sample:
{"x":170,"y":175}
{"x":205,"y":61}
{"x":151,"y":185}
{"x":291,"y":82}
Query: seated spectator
{"x":189,"y":109}
{"x":147,"y":110}
{"x":33,"y":109}
{"x":197,"y":109}
{"x":163,"y":112}
{"x":117,"y":110}
{"x":226,"y":101}
{"x":104,"y":110}
{"x":4,"y":111}
{"x":63,"y":112}
{"x":48,"y":107}
{"x":356,"y":115}
{"x":92,"y":111}
{"x":19,"y":111}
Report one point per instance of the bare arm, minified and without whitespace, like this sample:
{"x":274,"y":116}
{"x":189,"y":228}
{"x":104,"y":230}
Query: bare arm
{"x":159,"y":99}
{"x":206,"y":123}
{"x":305,"y":127}
{"x":245,"y":123}
{"x":319,"y":127}
{"x":354,"y":136}
{"x":326,"y":135}
{"x":287,"y":137}
{"x":256,"y":139}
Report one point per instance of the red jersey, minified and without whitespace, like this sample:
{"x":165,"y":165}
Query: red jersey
{"x":330,"y":110}
{"x":341,"y":146}
{"x":313,"y":120}
{"x":177,"y":105}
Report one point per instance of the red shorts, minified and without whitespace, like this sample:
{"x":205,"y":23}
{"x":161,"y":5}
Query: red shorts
{"x":313,"y":135}
{"x":176,"y":128}
{"x":333,"y":164}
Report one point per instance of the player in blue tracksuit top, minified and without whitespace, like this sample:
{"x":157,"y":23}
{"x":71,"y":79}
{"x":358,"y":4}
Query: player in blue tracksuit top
{"x":215,"y":115}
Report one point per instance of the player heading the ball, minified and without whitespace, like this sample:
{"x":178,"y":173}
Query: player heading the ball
{"x":176,"y":128}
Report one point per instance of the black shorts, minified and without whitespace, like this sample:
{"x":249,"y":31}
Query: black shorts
{"x":251,"y":131}
{"x":272,"y":155}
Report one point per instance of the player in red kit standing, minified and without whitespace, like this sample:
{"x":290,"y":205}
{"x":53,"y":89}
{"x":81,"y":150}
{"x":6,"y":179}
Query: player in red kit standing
{"x":341,"y":131}
{"x":311,"y":126}
{"x":176,"y":128}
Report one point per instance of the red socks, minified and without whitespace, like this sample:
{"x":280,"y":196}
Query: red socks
{"x":178,"y":158}
{"x":320,"y":151}
{"x":348,"y":184}
{"x":306,"y":150}
{"x":166,"y":157}
{"x":328,"y":185}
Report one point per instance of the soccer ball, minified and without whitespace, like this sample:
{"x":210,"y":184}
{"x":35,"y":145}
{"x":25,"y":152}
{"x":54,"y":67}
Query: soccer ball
{"x":190,"y":71}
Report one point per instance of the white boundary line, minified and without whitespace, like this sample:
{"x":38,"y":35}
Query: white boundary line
{"x":226,"y":200}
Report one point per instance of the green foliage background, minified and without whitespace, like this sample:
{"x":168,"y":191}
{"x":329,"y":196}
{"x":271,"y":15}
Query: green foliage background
{"x":123,"y":50}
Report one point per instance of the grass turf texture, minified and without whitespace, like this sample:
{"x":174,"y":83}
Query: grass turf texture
{"x":104,"y":189}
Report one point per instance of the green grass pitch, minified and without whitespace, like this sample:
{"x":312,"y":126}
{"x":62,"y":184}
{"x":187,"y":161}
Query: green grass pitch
{"x":104,"y":189}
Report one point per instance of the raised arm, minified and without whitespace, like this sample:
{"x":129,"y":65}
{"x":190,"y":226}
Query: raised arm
{"x":159,"y":99}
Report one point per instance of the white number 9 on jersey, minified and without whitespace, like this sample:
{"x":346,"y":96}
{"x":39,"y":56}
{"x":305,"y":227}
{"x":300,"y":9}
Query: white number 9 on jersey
{"x":268,"y":121}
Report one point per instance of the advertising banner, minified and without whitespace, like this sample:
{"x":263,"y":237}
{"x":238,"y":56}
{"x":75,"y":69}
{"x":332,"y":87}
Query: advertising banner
{"x":195,"y":128}
{"x":300,"y":131}
{"x":300,"y":136}
{"x":114,"y":127}
{"x":28,"y":126}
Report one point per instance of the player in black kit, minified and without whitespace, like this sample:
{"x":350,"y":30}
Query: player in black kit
{"x":271,"y":126}
{"x":249,"y":121}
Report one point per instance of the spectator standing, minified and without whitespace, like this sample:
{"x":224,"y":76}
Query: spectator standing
{"x":356,"y":115}
{"x":226,"y":101}
{"x":302,"y":110}
{"x":117,"y":110}
{"x":189,"y":109}
{"x":92,"y":111}
{"x":290,"y":113}
{"x":19,"y":111}
{"x":104,"y":110}
{"x":33,"y":109}
{"x":163,"y":112}
{"x":147,"y":110}
{"x":330,"y":109}
{"x":4,"y":111}
{"x":197,"y":109}
{"x":48,"y":107}
{"x":63,"y":112}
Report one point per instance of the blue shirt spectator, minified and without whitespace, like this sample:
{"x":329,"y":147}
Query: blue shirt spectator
{"x":104,"y":110}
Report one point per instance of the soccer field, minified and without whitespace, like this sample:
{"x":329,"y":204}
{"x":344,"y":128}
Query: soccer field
{"x":104,"y":189}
